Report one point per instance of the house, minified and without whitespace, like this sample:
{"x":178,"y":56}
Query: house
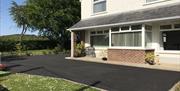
{"x":126,"y":30}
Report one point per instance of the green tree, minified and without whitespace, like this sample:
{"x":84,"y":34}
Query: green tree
{"x":51,"y":18}
{"x":19,"y":15}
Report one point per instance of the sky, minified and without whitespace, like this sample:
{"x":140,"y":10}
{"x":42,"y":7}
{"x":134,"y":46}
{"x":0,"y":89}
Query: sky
{"x":7,"y":25}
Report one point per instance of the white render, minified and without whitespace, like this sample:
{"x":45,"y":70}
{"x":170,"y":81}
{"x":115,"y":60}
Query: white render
{"x":119,"y":6}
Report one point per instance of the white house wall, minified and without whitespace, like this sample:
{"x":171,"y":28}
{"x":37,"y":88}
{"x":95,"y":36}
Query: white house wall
{"x":118,"y":6}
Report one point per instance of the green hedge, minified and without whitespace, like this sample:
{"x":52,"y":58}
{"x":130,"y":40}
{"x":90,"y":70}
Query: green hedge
{"x":29,"y":45}
{"x":30,"y":42}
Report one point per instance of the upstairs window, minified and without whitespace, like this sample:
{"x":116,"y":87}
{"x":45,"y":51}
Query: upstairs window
{"x":99,"y":6}
{"x":148,"y":1}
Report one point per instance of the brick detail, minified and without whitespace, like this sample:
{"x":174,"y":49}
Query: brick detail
{"x":127,"y":55}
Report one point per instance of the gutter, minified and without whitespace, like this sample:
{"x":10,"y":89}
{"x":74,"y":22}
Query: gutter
{"x":125,"y":23}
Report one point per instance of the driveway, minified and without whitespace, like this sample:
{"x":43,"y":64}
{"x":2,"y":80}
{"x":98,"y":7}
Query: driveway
{"x":109,"y":77}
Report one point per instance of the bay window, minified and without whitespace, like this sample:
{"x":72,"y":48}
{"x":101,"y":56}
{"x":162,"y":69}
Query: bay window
{"x":138,"y":36}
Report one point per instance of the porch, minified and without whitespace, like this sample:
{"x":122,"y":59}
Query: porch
{"x":130,"y":36}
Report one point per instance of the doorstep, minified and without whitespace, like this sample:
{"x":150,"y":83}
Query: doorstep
{"x":168,"y":67}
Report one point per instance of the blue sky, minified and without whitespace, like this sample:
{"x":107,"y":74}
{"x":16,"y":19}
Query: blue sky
{"x":7,"y":25}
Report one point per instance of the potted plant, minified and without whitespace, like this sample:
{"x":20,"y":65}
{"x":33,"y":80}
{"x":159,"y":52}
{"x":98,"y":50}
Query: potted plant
{"x":79,"y":50}
{"x":149,"y":58}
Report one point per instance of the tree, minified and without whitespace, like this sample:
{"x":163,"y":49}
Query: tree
{"x":51,"y":18}
{"x":18,"y":13}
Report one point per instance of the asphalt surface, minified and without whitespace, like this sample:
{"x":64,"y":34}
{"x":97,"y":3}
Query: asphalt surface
{"x":105,"y":76}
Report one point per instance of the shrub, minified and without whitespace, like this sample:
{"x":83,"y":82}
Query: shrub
{"x":19,"y":48}
{"x":79,"y":50}
{"x":57,"y":49}
{"x":149,"y":58}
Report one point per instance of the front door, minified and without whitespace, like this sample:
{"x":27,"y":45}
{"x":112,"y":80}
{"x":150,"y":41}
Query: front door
{"x":171,"y":40}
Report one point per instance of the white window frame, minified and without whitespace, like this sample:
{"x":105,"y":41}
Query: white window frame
{"x":154,"y":2}
{"x":96,"y":34}
{"x":172,"y":29}
{"x":142,"y":30}
{"x":95,"y":2}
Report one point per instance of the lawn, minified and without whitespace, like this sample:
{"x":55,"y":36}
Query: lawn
{"x":24,"y":82}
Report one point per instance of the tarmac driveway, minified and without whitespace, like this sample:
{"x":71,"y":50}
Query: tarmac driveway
{"x":109,"y":77}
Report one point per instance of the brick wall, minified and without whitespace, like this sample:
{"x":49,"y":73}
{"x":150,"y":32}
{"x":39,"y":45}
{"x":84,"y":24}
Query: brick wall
{"x":127,"y":55}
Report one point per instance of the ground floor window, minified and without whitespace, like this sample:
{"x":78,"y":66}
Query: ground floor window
{"x":148,"y":39}
{"x":99,"y":38}
{"x":131,"y":39}
{"x":171,"y":40}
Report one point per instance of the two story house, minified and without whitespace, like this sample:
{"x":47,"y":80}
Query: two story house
{"x":125,"y":30}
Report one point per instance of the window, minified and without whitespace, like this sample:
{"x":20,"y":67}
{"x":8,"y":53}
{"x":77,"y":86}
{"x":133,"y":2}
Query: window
{"x":93,"y":32}
{"x":148,"y":39}
{"x":147,"y":1}
{"x":136,"y":27}
{"x":106,"y":31}
{"x":99,"y":32}
{"x":100,"y":38}
{"x":99,"y":6}
{"x":124,"y":28}
{"x":176,"y":25}
{"x":115,"y":29}
{"x":148,"y":27}
{"x":165,"y":27}
{"x":130,"y":39}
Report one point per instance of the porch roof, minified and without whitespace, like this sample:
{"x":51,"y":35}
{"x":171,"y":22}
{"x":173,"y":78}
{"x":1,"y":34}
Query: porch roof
{"x":140,"y":16}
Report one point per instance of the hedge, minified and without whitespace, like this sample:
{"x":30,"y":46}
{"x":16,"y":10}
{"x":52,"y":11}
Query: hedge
{"x":8,"y":43}
{"x":29,"y":45}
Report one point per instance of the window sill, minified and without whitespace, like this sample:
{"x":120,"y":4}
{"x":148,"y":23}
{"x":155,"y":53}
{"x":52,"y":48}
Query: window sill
{"x":99,"y":13}
{"x":101,"y":47}
{"x":154,"y":2}
{"x":168,"y":52}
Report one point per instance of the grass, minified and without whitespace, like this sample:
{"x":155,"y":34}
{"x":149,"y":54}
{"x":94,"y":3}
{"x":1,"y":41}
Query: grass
{"x":24,"y":82}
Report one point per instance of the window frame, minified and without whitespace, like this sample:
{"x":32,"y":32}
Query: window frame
{"x":104,"y":32}
{"x":154,"y":2}
{"x":96,"y":2}
{"x":128,"y":31}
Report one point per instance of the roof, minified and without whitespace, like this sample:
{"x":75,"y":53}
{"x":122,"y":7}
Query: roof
{"x":140,"y":16}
